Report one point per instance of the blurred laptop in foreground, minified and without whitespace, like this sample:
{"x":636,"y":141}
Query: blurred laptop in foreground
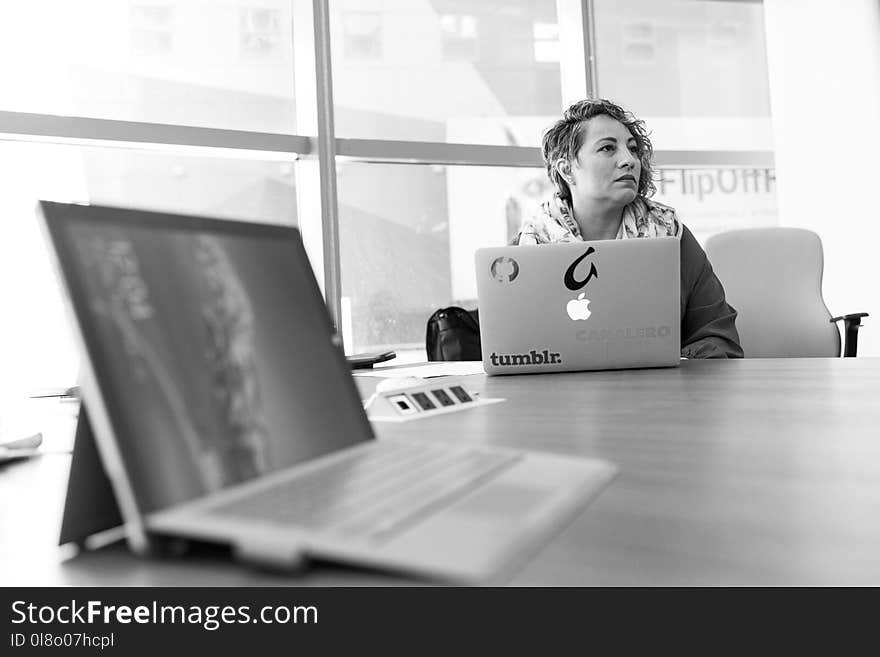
{"x":224,"y":410}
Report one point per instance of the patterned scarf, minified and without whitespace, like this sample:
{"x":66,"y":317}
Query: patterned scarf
{"x":555,"y":223}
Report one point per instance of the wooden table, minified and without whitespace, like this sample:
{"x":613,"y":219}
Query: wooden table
{"x":751,"y":472}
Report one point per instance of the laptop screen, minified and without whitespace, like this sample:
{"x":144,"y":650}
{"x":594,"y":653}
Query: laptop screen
{"x":211,"y":346}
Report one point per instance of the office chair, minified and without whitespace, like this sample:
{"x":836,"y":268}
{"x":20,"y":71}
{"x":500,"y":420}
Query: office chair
{"x":773,"y":277}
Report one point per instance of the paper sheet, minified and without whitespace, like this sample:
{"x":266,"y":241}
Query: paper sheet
{"x":429,"y":370}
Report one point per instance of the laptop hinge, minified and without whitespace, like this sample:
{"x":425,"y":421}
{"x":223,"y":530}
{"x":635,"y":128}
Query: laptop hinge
{"x":276,"y":555}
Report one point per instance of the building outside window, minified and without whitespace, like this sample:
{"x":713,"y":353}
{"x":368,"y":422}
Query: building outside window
{"x":362,"y":35}
{"x":260,"y":32}
{"x":459,"y":34}
{"x":152,"y":29}
{"x":546,"y":42}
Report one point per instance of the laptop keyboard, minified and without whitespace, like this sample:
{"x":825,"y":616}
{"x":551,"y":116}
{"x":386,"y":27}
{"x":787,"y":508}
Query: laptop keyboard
{"x":376,"y":493}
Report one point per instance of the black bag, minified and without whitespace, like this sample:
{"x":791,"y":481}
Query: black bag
{"x":454,"y":334}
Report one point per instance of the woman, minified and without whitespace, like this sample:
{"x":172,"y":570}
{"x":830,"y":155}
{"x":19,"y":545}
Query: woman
{"x":598,"y":157}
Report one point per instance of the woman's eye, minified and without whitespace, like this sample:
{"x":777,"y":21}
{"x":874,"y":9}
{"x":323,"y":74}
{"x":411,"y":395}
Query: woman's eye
{"x":606,"y":147}
{"x":634,"y":150}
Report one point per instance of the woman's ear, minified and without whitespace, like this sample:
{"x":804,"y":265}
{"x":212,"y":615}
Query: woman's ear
{"x":563,"y":168}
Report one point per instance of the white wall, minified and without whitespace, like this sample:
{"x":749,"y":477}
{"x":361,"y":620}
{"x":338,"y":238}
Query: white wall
{"x":824,"y":72}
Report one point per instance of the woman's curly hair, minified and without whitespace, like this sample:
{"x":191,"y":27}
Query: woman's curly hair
{"x":565,"y":138}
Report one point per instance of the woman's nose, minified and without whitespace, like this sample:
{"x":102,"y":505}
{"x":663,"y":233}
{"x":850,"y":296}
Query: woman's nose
{"x":627,"y":160}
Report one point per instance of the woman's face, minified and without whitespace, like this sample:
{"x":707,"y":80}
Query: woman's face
{"x":606,"y":169}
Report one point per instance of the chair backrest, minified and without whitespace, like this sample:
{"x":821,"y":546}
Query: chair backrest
{"x":773,"y":277}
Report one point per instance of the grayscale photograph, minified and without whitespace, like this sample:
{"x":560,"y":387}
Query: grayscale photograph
{"x":340,"y":295}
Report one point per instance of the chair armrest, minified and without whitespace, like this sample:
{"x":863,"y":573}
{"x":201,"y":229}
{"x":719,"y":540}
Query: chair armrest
{"x":851,"y":325}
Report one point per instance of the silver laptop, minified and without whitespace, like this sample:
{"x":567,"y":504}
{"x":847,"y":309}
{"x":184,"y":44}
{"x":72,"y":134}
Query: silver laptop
{"x":579,"y":306}
{"x":224,"y":410}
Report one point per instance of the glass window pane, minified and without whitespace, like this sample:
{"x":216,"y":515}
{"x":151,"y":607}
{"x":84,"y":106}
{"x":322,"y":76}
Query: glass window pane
{"x":696,"y":71}
{"x":188,"y":62}
{"x":250,"y":190}
{"x":710,"y":201}
{"x":406,"y":255}
{"x":445,"y":70}
{"x":37,"y":348}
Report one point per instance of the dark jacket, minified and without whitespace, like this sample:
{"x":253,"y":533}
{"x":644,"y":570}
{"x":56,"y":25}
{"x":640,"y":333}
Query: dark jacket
{"x":707,"y":320}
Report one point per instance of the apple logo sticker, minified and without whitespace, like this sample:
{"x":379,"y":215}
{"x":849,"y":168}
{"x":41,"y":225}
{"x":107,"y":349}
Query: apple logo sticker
{"x":578,"y":308}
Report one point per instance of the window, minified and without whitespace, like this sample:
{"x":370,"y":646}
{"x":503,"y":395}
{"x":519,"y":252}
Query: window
{"x":260,"y":31}
{"x":438,"y":107}
{"x":444,"y":71}
{"x":363,"y":36}
{"x":126,"y":91}
{"x":459,"y":34}
{"x":152,"y":29}
{"x":712,"y":200}
{"x":402,"y":260}
{"x":695,"y":71}
{"x":547,"y":42}
{"x":176,"y":63}
{"x":638,"y":44}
